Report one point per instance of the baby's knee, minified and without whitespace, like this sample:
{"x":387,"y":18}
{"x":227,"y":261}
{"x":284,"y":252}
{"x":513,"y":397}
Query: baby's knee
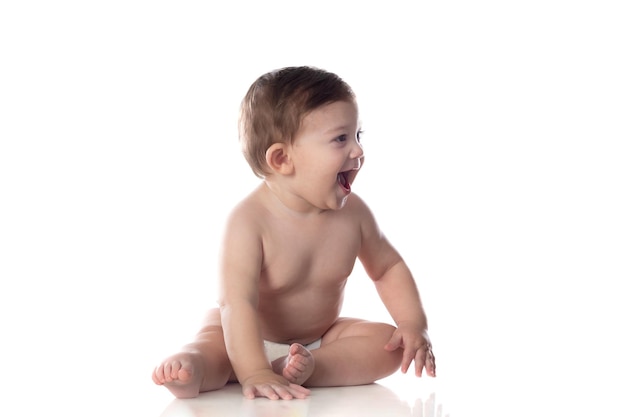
{"x":385,"y":330}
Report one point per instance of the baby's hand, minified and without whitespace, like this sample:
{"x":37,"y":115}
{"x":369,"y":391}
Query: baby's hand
{"x":416,"y":347}
{"x":273,"y":386}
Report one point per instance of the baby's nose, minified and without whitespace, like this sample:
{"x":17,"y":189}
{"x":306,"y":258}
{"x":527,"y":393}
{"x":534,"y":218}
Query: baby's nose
{"x":357,"y":152}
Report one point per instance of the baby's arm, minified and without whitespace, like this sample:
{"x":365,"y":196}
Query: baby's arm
{"x":240,"y":270}
{"x":398,"y":291}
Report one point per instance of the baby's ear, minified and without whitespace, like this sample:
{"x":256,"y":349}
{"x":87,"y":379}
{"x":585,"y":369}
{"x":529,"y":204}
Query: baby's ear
{"x":278,"y":160}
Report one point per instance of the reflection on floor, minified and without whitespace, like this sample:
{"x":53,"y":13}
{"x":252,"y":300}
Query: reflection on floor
{"x":386,"y":398}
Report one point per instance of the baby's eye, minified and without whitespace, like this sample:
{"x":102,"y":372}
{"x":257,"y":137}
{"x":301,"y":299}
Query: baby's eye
{"x":359,"y":135}
{"x":341,"y":138}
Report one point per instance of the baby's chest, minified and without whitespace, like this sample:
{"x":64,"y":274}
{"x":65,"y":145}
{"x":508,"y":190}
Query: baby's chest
{"x":323,"y":257}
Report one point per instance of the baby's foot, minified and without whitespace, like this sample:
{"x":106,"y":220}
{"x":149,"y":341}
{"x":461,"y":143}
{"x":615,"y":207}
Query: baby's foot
{"x":297,"y":366}
{"x":181,"y":374}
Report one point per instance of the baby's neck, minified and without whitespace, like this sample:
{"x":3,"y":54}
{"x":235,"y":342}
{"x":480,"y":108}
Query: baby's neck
{"x":280,"y":197}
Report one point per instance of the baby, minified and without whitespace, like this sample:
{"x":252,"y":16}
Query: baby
{"x":288,"y":250}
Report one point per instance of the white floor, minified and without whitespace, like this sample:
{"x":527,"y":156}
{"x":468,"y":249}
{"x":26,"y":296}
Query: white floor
{"x":385,"y":398}
{"x":500,"y":390}
{"x":370,"y":400}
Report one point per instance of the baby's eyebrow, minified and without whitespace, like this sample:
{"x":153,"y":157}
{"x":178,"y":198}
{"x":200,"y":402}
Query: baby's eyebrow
{"x":341,"y":128}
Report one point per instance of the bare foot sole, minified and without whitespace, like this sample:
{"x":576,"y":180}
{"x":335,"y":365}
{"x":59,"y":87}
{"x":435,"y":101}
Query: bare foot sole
{"x":297,"y":366}
{"x":181,"y":374}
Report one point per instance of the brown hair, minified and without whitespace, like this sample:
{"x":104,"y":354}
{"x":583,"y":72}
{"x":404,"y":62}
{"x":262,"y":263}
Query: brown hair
{"x":275,"y":104}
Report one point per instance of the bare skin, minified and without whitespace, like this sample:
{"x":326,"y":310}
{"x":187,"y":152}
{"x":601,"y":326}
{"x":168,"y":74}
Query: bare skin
{"x":288,"y":250}
{"x":297,"y":366}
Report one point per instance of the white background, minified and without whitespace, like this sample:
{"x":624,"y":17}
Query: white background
{"x":495,"y":163}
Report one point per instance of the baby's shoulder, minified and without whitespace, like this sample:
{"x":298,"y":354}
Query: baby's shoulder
{"x":356,"y":206}
{"x":251,"y":211}
{"x":247,"y":209}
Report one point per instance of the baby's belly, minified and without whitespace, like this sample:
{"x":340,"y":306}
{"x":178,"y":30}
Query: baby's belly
{"x":301,"y":324}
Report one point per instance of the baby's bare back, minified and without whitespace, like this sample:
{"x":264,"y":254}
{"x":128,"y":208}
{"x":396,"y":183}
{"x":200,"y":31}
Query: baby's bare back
{"x":306,"y":262}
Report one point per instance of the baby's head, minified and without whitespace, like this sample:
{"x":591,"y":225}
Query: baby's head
{"x":276,"y":103}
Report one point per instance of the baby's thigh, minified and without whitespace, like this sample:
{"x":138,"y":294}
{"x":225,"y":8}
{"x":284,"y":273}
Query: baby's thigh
{"x":351,"y":327}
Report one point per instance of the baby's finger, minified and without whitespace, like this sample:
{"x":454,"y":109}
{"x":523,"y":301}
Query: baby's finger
{"x":249,"y":391}
{"x":282,"y":392}
{"x":407,"y":358}
{"x":298,"y":391}
{"x":425,"y":359}
{"x":290,"y":392}
{"x":420,"y":360}
{"x":419,"y":365}
{"x":267,"y":391}
{"x":431,"y":367}
{"x":395,"y":341}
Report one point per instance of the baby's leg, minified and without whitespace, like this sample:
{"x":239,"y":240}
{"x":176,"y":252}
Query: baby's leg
{"x":200,"y":366}
{"x":297,"y":366}
{"x":352,"y":353}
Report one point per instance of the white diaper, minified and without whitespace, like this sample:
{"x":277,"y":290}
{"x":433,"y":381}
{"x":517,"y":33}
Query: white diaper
{"x":275,"y":350}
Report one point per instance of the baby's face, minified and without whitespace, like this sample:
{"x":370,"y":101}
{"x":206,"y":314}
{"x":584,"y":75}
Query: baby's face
{"x":327,"y":155}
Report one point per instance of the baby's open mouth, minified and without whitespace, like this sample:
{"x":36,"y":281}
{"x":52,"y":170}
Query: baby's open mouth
{"x":342,"y":179}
